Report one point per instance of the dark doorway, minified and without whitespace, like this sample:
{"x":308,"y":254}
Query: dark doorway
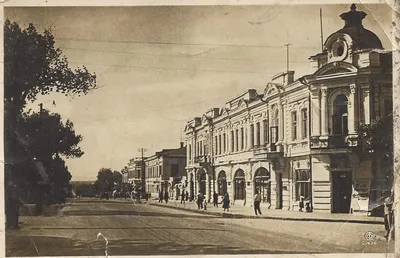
{"x":239,"y":185}
{"x":202,"y":182}
{"x":279,"y":199}
{"x":341,"y":191}
{"x":222,"y":185}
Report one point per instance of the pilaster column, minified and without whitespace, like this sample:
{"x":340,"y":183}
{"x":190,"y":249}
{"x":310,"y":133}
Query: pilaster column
{"x":366,"y":106}
{"x":324,"y":112}
{"x":255,"y":134}
{"x":249,"y":135}
{"x":281,"y":123}
{"x":315,"y":113}
{"x":352,"y":109}
{"x":262,"y":140}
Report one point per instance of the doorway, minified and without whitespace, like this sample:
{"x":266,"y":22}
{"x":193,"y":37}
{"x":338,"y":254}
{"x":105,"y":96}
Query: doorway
{"x":341,"y":191}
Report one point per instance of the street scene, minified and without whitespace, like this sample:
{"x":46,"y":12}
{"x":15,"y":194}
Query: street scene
{"x":198,"y":130}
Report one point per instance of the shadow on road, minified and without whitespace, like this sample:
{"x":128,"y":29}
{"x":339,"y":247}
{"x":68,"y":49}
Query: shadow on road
{"x":57,"y":246}
{"x":83,"y":212}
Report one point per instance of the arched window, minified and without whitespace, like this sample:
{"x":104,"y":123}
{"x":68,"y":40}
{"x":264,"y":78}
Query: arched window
{"x":240,"y":185}
{"x":340,"y":115}
{"x":222,"y":186}
{"x":262,"y":185}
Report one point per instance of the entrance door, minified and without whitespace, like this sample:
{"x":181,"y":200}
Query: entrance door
{"x":263,"y":187}
{"x":341,"y":191}
{"x":279,"y":199}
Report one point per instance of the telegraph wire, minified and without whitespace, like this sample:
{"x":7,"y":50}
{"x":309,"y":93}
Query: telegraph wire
{"x":178,"y":56}
{"x":135,"y":67}
{"x":176,"y":43}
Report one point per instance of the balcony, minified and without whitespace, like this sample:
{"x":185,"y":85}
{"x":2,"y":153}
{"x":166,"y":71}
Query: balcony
{"x":338,"y":141}
{"x":268,"y":152}
{"x":202,"y":160}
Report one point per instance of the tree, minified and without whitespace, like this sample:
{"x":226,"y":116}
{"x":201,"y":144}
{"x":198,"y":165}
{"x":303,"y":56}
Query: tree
{"x":375,"y":140}
{"x":107,"y":180}
{"x":33,"y":65}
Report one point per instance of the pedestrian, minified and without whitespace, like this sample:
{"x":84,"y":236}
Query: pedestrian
{"x":205,"y":204}
{"x":301,"y":203}
{"x":388,"y":216}
{"x":160,"y":196}
{"x":225,"y":202}
{"x":215,"y":199}
{"x":166,"y":197}
{"x":200,"y":201}
{"x":183,"y":197}
{"x":257,"y":201}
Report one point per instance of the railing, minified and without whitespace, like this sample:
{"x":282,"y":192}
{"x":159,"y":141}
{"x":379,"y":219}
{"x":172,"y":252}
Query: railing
{"x":330,"y":142}
{"x":337,"y":141}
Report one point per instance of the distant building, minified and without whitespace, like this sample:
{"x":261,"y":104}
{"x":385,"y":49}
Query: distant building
{"x":297,"y":137}
{"x":165,"y":171}
{"x":135,"y":167}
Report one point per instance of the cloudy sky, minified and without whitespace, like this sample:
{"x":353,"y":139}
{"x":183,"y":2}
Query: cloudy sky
{"x":160,"y":66}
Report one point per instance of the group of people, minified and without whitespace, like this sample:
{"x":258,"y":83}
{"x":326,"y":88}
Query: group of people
{"x":163,"y":196}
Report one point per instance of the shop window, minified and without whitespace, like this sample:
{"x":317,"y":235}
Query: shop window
{"x":303,"y":184}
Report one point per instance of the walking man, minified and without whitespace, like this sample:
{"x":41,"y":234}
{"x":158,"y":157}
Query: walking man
{"x":183,"y":197}
{"x":257,"y":201}
{"x":215,"y":199}
{"x":200,"y":201}
{"x":166,"y":197}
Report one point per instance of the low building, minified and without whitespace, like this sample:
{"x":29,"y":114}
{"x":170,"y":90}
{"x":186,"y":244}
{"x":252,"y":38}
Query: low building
{"x":296,"y":139}
{"x":135,"y":167}
{"x":165,"y":171}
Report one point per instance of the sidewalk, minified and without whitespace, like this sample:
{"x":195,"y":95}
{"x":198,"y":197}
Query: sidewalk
{"x":238,"y":211}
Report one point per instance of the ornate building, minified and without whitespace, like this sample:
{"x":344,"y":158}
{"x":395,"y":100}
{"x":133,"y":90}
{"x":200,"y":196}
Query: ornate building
{"x":297,"y":138}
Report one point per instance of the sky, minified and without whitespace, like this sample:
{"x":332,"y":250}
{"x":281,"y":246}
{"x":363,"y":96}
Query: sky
{"x":158,"y":67}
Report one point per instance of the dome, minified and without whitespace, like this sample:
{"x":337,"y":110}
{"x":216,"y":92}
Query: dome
{"x":362,"y":38}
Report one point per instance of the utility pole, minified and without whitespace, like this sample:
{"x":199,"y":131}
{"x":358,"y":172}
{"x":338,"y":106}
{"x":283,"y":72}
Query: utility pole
{"x":322,"y":35}
{"x":143,"y":176}
{"x":287,"y":56}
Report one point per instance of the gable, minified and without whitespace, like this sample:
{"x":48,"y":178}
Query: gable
{"x":335,"y":67}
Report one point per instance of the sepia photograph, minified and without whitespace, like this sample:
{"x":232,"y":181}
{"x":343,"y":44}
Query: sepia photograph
{"x":199,"y":130}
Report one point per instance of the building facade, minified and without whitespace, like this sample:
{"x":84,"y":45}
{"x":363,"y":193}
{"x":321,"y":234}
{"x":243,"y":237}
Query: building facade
{"x":135,"y":167}
{"x":296,"y":139}
{"x":165,"y":171}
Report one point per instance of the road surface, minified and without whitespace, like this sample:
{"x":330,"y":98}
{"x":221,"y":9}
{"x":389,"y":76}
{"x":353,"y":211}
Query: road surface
{"x":143,"y":229}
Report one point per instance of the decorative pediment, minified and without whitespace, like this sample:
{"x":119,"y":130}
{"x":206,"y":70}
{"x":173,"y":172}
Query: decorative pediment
{"x":335,"y":67}
{"x":242,"y":104}
{"x":204,"y":120}
{"x":272,"y":88}
{"x":224,"y":112}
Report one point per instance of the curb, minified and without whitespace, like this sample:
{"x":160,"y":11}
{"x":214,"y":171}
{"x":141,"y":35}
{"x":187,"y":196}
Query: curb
{"x":241,"y":216}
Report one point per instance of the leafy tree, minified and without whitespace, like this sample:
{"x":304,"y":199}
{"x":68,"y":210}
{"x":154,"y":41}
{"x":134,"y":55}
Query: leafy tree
{"x":108,"y":180}
{"x":32,"y":66}
{"x":376,"y":140}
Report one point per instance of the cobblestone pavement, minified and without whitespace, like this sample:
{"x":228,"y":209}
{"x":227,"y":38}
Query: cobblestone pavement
{"x":142,"y":229}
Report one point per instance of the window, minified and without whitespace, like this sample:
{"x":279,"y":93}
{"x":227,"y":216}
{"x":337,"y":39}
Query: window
{"x":175,"y":170}
{"x":201,"y":148}
{"x":274,"y":137}
{"x":222,"y":185}
{"x":219,"y":144}
{"x":190,"y":151}
{"x":294,"y":126}
{"x":266,"y":140}
{"x":239,"y":185}
{"x":303,"y":184}
{"x":242,"y":138}
{"x":304,"y":123}
{"x":237,"y":139}
{"x":258,"y":133}
{"x":340,"y":120}
{"x":232,"y":141}
{"x":160,"y":171}
{"x":224,"y":137}
{"x":252,"y":136}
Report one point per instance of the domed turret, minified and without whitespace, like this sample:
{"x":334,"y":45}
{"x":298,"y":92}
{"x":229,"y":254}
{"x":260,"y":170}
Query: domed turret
{"x":362,"y":38}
